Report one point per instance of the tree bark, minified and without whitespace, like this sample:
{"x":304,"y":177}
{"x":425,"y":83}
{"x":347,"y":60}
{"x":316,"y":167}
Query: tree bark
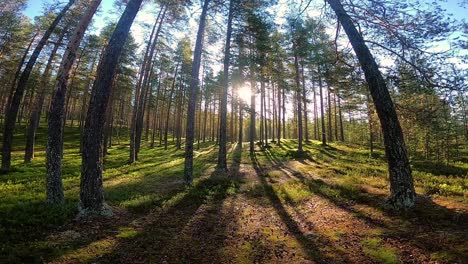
{"x":222,"y":163}
{"x":54,"y":149}
{"x":401,"y":181}
{"x":193,"y":92}
{"x":322,"y":118}
{"x":91,"y":189}
{"x":166,"y":128}
{"x":298,"y":100}
{"x":35,"y":115}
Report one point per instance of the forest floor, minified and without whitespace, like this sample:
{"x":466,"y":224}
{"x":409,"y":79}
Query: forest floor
{"x":272,"y":206}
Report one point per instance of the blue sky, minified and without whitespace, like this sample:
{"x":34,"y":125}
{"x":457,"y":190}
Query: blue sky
{"x":35,"y":6}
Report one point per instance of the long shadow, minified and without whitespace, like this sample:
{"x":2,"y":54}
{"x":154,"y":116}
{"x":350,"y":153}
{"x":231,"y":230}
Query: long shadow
{"x":426,"y":217}
{"x":171,"y":234}
{"x":311,"y":247}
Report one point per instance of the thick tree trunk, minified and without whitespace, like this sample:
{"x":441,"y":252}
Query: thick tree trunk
{"x":54,"y":149}
{"x":401,"y":181}
{"x":91,"y":189}
{"x":222,"y":164}
{"x":193,"y":92}
{"x":14,"y":105}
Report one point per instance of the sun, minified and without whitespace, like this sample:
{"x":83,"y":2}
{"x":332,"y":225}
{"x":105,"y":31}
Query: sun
{"x":244,"y":93}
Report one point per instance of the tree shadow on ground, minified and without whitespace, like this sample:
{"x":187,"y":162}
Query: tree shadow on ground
{"x":423,"y":226}
{"x":313,"y":244}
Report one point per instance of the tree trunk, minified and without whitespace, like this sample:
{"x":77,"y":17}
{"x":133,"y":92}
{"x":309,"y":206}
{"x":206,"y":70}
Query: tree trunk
{"x":298,"y":100}
{"x":401,"y":181}
{"x":322,"y":118}
{"x":166,"y":128}
{"x":35,"y":115}
{"x":193,"y":92}
{"x":341,"y":119}
{"x":91,"y":189}
{"x":138,"y":90}
{"x":329,"y":114}
{"x":54,"y":149}
{"x":278,"y":124}
{"x":304,"y":100}
{"x":148,"y":70}
{"x":222,"y":164}
{"x":14,"y":105}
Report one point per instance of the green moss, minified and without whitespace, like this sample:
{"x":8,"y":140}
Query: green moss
{"x":373,"y":248}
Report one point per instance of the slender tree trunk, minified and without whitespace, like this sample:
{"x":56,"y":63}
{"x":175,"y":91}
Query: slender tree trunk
{"x":35,"y":115}
{"x":341,"y":119}
{"x":91,"y":189}
{"x":54,"y":149}
{"x":18,"y":72}
{"x":222,"y":164}
{"x":304,"y":99}
{"x":298,"y":100}
{"x":371,"y":128}
{"x":193,"y":92}
{"x":166,"y":128}
{"x":138,"y":90}
{"x":13,"y":107}
{"x":324,"y":137}
{"x":329,"y":123}
{"x":401,"y":181}
{"x":145,"y":87}
{"x":316,"y":127}
{"x":278,"y":125}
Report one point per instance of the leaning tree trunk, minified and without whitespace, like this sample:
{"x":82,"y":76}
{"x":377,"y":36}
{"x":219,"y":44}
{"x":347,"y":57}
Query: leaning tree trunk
{"x":193,"y":92}
{"x":54,"y":149}
{"x":133,"y":127}
{"x":222,"y":164}
{"x":401,"y":181}
{"x":39,"y":102}
{"x":13,"y":107}
{"x":91,"y":189}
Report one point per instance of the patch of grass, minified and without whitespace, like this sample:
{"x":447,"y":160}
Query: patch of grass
{"x":292,"y":191}
{"x":127,"y":232}
{"x":274,"y":174}
{"x":373,"y":248}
